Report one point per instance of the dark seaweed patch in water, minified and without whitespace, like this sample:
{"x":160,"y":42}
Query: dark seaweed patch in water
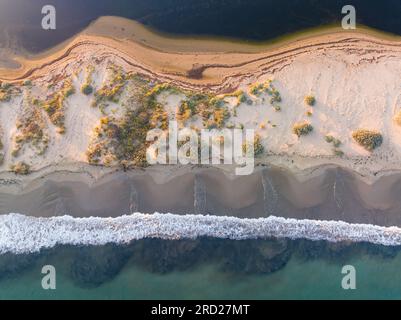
{"x":161,"y":256}
{"x":92,"y":266}
{"x":340,"y":252}
{"x":255,"y":256}
{"x":245,"y":256}
{"x":12,"y":265}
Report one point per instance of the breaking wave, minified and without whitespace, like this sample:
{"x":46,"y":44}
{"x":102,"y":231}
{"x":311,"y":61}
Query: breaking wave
{"x":26,"y":234}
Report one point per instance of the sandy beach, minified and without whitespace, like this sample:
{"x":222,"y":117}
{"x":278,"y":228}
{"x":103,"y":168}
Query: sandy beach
{"x":330,"y":193}
{"x":353,"y":76}
{"x":341,"y":70}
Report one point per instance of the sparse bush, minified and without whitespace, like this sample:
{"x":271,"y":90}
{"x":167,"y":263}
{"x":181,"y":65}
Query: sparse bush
{"x":336,"y":143}
{"x":242,"y":98}
{"x":258,"y":148}
{"x":397,"y":118}
{"x":15,"y":152}
{"x":256,"y":89}
{"x":31,"y":129}
{"x":368,"y":139}
{"x":302,"y":128}
{"x":20,"y":168}
{"x":310,"y":100}
{"x":330,"y":139}
{"x":4,"y":96}
{"x":54,"y":107}
{"x":338,"y":152}
{"x":6,"y":85}
{"x":112,"y":90}
{"x":6,"y":91}
{"x":86,"y":89}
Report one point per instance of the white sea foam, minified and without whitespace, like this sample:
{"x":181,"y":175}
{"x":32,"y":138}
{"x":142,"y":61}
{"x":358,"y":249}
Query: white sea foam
{"x":25,"y":234}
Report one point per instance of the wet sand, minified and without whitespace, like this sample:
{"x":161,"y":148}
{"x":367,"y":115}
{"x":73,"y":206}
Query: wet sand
{"x":331,"y":193}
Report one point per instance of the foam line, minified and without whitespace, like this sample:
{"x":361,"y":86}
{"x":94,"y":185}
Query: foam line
{"x":27,"y":234}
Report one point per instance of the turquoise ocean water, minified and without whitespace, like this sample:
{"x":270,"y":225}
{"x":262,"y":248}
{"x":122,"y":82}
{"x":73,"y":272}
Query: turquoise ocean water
{"x":377,"y":277}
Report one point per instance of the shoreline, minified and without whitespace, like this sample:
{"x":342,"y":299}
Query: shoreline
{"x":191,"y":51}
{"x":322,"y":193}
{"x":19,"y":232}
{"x":123,"y":28}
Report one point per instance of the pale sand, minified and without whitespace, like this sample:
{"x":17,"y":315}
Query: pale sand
{"x":353,"y":75}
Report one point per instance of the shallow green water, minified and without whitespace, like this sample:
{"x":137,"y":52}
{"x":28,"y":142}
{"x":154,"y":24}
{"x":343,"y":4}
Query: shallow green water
{"x":376,"y":278}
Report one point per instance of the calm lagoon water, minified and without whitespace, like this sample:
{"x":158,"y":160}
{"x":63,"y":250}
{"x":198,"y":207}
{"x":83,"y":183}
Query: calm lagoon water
{"x":246,"y":19}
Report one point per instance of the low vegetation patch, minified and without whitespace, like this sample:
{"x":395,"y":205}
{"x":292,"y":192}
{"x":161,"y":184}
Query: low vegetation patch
{"x":369,"y":139}
{"x":20,"y":168}
{"x":258,"y":147}
{"x":338,"y":152}
{"x":302,"y":128}
{"x":111,"y":91}
{"x":330,"y":139}
{"x":30,"y":130}
{"x":7,"y":90}
{"x":54,"y":106}
{"x":267,"y":87}
{"x":310,"y":100}
{"x":122,"y":140}
{"x":86,"y":87}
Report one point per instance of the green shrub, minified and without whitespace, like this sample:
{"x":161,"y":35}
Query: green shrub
{"x":86,"y":89}
{"x":258,"y":148}
{"x":6,"y":85}
{"x":338,"y":152}
{"x":336,"y":143}
{"x":4,"y":96}
{"x":302,"y":128}
{"x":330,"y":139}
{"x":369,"y":139}
{"x":310,"y":100}
{"x":242,"y":98}
{"x":20,"y":168}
